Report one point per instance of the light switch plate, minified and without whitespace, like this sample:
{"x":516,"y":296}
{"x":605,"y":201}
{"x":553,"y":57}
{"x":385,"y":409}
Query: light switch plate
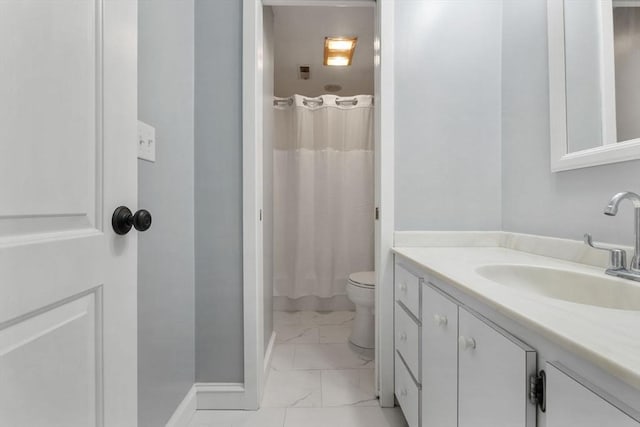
{"x":146,"y":142}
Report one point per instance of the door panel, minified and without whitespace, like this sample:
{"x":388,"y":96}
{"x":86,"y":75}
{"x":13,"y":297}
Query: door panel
{"x":61,"y":389}
{"x":439,"y":360}
{"x":493,"y":377}
{"x":571,"y":404}
{"x":49,"y":120}
{"x":67,"y":160}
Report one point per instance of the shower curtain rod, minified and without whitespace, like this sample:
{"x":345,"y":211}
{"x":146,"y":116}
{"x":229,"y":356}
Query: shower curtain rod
{"x":319,"y":101}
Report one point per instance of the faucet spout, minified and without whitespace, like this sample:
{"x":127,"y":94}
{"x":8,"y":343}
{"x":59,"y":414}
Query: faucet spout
{"x":612,"y":207}
{"x":612,"y":210}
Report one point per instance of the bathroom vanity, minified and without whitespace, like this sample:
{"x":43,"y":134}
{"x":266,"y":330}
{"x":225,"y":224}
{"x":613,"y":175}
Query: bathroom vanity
{"x":502,"y":329}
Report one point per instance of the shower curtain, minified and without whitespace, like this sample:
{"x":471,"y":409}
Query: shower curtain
{"x":323,"y":169}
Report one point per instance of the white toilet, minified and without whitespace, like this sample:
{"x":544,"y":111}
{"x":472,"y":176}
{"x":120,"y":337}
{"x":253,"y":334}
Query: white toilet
{"x":361,"y":291}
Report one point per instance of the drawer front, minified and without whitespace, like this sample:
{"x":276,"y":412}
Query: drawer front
{"x":407,"y":339}
{"x":407,"y":394}
{"x":439,"y":380}
{"x":408,"y":289}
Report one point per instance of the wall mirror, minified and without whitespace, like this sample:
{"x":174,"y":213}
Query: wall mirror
{"x":594,"y":82}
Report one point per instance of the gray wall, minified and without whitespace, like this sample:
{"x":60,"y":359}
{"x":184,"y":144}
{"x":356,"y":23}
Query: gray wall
{"x":218,"y":190}
{"x":447,"y":88}
{"x":268,"y":130}
{"x":166,"y":252}
{"x":565,"y":204}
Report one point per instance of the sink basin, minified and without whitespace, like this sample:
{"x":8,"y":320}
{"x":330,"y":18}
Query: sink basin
{"x":595,"y":290}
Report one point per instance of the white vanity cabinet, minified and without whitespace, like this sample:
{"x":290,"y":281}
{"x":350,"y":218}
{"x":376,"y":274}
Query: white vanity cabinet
{"x":493,"y":376}
{"x":573,"y":404}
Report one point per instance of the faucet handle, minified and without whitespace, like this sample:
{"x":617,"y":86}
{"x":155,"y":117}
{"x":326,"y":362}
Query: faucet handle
{"x":617,"y":257}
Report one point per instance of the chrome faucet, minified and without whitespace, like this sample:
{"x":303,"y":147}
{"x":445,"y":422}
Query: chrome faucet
{"x":612,"y":210}
{"x":617,"y":261}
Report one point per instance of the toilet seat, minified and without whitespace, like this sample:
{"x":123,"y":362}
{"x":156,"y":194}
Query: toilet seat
{"x":363,"y":279}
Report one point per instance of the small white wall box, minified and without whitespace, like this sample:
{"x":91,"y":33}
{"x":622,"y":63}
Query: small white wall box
{"x":146,"y":142}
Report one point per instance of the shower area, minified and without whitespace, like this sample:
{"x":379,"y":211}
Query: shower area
{"x":323,"y":199}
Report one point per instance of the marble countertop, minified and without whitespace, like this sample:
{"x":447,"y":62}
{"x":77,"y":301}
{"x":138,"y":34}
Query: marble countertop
{"x":609,"y":338}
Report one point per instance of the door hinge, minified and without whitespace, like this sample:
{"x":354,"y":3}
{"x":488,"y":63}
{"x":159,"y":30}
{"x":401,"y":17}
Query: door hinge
{"x":377,"y":213}
{"x":260,"y":214}
{"x":537,"y":390}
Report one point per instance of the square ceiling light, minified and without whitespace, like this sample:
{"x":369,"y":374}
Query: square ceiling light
{"x":338,"y":51}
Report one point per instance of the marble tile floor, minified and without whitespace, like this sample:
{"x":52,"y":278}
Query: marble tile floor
{"x":316,"y":379}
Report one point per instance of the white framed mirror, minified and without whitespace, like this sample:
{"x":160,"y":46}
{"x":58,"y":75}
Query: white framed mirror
{"x":594,"y":82}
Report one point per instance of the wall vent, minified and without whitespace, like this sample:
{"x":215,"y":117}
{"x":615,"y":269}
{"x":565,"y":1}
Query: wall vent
{"x":304,"y":72}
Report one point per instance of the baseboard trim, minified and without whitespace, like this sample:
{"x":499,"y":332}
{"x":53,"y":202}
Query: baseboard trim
{"x":216,"y":395}
{"x":185,"y":410}
{"x":220,"y":396}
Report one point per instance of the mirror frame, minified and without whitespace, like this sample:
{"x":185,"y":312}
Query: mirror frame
{"x":611,"y":151}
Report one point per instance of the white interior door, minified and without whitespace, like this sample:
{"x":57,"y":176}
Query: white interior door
{"x":67,"y":160}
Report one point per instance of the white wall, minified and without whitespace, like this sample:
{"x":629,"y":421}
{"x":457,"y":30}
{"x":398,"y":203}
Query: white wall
{"x":448,"y":82}
{"x":565,"y":204}
{"x":166,"y":356}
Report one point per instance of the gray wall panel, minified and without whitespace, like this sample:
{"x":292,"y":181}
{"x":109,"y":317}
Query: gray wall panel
{"x":218,"y":190}
{"x":166,"y":252}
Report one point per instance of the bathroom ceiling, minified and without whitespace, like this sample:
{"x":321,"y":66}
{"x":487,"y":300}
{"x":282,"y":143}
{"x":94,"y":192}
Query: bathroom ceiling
{"x":299,"y":34}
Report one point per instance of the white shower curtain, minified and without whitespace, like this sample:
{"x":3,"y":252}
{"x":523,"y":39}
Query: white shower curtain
{"x":323,"y":195}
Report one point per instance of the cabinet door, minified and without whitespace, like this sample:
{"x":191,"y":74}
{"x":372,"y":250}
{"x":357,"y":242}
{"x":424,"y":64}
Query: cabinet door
{"x":571,"y":404}
{"x":493,"y":376}
{"x":439,"y":360}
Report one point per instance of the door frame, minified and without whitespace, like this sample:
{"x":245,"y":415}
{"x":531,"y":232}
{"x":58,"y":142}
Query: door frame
{"x":252,"y":194}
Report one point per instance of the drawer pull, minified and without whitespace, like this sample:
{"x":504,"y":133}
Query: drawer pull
{"x":403,"y":286}
{"x":440,"y":320}
{"x":466,"y":343}
{"x":403,"y":336}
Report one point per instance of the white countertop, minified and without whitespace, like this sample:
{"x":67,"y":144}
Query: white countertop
{"x":609,"y":338}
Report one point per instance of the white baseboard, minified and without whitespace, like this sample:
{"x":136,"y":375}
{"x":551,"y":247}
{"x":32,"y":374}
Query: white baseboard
{"x":216,"y":395}
{"x":220,"y":396}
{"x":185,"y":410}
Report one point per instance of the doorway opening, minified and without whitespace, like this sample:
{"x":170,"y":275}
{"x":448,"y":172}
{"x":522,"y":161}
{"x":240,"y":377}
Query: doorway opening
{"x":258,"y":103}
{"x":319,"y":204}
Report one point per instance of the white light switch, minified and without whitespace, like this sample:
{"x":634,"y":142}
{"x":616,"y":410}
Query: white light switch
{"x":146,"y":142}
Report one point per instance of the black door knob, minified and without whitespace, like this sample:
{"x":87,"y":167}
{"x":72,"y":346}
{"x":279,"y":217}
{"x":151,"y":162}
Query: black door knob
{"x":122,"y":220}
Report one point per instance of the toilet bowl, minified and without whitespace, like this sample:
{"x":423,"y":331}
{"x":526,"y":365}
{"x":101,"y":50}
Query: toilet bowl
{"x":361,"y":291}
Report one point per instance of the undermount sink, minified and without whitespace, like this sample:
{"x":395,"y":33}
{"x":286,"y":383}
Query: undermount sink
{"x":566,"y":285}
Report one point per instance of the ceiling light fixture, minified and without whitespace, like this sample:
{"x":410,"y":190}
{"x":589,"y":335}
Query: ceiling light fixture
{"x":338,"y":51}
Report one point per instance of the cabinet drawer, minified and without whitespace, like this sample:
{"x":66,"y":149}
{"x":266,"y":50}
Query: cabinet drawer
{"x":408,"y":289}
{"x":407,"y":338}
{"x":407,"y":393}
